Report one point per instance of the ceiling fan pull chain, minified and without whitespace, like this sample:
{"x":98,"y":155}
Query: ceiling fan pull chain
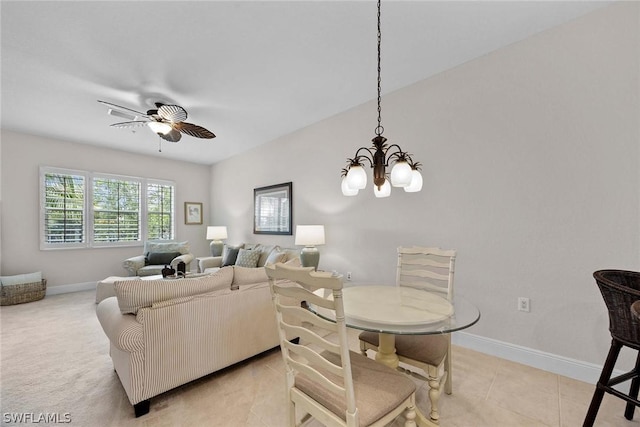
{"x":159,"y":144}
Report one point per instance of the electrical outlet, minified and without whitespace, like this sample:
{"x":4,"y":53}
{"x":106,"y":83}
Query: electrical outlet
{"x":524,"y":304}
{"x":348,"y":275}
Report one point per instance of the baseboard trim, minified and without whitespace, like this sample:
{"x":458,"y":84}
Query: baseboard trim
{"x":74,"y":287}
{"x":572,"y":368}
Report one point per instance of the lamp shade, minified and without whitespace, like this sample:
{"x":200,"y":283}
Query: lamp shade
{"x":416,"y":182}
{"x":356,"y":178}
{"x":401,"y":174}
{"x":216,"y":232}
{"x":346,"y":190}
{"x":384,"y":191}
{"x":309,"y":235}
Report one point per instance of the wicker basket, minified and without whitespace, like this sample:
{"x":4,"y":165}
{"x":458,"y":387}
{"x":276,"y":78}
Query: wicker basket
{"x":23,"y":292}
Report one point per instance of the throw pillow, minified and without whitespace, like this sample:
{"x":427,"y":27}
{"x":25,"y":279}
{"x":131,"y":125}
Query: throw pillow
{"x":161,"y":258}
{"x":275,"y":257}
{"x":294,"y":262}
{"x":230,"y":256}
{"x":247,"y":258}
{"x":265,"y":252}
{"x":136,"y":294}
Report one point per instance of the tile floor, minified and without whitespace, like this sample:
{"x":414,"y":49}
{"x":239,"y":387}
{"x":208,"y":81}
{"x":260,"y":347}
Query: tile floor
{"x":488,"y":391}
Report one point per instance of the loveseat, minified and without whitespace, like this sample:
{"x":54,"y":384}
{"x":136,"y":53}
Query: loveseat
{"x":250,"y":255}
{"x":168,"y":332}
{"x":156,"y":254}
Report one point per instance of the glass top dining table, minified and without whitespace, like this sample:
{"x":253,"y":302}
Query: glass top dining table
{"x":401,"y":310}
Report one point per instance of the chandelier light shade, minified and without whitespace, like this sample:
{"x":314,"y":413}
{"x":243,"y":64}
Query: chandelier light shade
{"x":310,"y":236}
{"x":346,"y":190}
{"x":404,"y":173}
{"x":416,"y":182}
{"x":216,"y":234}
{"x":384,"y":190}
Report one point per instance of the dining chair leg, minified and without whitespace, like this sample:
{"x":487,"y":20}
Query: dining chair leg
{"x":448,"y":385}
{"x":607,"y":370}
{"x":633,"y":391}
{"x":433,"y":380}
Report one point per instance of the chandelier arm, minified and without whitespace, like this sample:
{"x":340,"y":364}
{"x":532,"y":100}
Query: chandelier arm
{"x":360,"y":156}
{"x":396,"y":154}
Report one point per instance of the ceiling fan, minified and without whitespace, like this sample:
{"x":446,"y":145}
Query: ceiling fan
{"x":165,"y":120}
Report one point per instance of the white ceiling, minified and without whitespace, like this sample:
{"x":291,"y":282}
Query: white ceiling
{"x":250,"y":71}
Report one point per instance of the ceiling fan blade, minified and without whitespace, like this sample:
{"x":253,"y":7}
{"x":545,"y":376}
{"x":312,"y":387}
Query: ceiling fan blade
{"x":172,"y":113}
{"x":193,"y":130}
{"x":119,"y":107}
{"x":133,"y":124}
{"x":172,"y":136}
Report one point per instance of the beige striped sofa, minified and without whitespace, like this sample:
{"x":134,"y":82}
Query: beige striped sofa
{"x":166,"y":333}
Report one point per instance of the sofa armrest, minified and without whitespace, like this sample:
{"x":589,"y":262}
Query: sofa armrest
{"x":133,"y":264}
{"x":123,"y":330}
{"x":209,"y":262}
{"x":186,"y":258}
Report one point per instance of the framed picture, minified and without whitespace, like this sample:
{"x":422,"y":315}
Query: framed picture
{"x":272,"y":209}
{"x":192,"y":213}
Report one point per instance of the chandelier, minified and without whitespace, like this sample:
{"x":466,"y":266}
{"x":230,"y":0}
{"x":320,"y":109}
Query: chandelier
{"x":405,"y":172}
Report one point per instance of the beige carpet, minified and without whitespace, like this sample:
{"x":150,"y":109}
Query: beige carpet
{"x":55,"y":361}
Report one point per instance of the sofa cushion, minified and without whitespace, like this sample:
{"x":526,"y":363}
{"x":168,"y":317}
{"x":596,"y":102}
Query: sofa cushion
{"x":136,"y":294}
{"x":248,"y":258}
{"x":158,"y":258}
{"x":244,"y":275}
{"x":20,"y":279}
{"x":166,"y":246}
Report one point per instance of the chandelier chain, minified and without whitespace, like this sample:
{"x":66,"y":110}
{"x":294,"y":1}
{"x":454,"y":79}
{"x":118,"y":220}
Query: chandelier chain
{"x":379,"y":129}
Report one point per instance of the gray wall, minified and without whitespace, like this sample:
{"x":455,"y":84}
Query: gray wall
{"x":21,"y":157}
{"x":531,"y":167}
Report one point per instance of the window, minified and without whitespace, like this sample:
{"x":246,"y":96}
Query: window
{"x":159,"y":211}
{"x":116,"y":210}
{"x":64,"y":218}
{"x":83,"y":209}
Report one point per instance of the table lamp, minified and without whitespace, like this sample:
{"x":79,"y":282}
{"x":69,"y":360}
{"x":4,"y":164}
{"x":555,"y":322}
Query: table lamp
{"x":216,"y":234}
{"x":310,"y":236}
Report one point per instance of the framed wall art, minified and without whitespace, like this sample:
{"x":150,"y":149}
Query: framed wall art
{"x":192,"y":213}
{"x":272,"y":209}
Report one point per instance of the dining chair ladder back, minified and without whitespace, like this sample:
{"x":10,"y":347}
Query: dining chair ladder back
{"x":620,"y":289}
{"x":325,"y":380}
{"x":432,"y":270}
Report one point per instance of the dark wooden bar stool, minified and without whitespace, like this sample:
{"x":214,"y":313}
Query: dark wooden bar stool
{"x":621,"y":291}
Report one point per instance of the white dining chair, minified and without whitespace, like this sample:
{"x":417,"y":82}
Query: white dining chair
{"x":431,"y":269}
{"x":325,"y":380}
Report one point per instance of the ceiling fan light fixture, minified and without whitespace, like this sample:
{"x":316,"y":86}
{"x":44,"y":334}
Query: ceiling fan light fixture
{"x":160,"y":127}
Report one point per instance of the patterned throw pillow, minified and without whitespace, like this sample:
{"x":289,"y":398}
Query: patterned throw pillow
{"x":248,"y":258}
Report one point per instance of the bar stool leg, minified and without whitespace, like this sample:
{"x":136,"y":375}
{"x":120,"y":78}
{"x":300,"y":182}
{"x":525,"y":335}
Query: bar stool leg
{"x":633,"y":391}
{"x":607,"y":370}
